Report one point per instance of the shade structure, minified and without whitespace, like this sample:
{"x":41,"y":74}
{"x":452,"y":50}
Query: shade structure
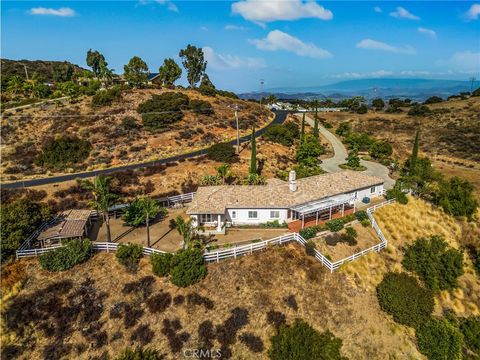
{"x":315,"y":206}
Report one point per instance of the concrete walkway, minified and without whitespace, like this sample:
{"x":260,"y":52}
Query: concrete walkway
{"x":331,"y":164}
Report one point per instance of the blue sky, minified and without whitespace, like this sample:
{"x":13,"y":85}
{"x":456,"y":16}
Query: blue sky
{"x":287,"y":43}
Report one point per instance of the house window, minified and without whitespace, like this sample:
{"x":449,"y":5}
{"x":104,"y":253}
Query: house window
{"x":356,"y":194}
{"x":234,"y":214}
{"x":274,"y":214}
{"x":252,"y":214}
{"x":205,"y":218}
{"x":372,"y":189}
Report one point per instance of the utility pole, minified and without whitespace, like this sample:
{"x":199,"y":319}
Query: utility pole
{"x":26,"y":71}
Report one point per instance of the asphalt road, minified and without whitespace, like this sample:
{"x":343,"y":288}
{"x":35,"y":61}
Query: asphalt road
{"x":280,"y":117}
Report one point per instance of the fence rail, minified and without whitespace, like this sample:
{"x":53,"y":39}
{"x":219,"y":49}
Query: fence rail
{"x":237,"y":251}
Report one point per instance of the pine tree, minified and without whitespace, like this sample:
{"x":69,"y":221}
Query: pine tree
{"x":413,"y":159}
{"x":302,"y":133}
{"x":253,"y":159}
{"x":316,"y":131}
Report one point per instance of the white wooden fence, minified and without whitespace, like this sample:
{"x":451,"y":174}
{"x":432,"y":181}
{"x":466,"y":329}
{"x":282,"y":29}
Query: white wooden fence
{"x":237,"y":251}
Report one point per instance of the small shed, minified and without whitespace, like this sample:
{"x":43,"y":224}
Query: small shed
{"x":70,"y":224}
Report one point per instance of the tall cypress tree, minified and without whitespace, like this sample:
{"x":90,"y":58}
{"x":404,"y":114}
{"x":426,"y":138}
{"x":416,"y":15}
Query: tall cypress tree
{"x":413,"y":159}
{"x":302,"y":133}
{"x":316,"y":132}
{"x":253,"y":158}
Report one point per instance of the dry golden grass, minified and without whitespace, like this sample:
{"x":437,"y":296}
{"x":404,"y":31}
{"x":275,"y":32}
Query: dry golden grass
{"x":402,"y":225}
{"x":257,"y":283}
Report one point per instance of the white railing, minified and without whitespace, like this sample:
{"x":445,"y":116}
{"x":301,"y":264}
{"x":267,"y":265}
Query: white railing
{"x":181,"y":198}
{"x":237,"y":251}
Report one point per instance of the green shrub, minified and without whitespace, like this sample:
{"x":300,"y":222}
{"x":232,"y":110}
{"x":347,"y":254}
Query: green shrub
{"x":139,"y":354}
{"x":433,"y":100}
{"x":401,"y":296}
{"x":309,"y":151}
{"x":106,"y":97}
{"x":18,"y":220}
{"x":380,"y":150}
{"x":187,"y":267}
{"x":201,"y":107}
{"x":359,"y":141}
{"x":363,"y":109}
{"x":129,"y":123}
{"x":350,"y":236}
{"x":300,"y":341}
{"x":163,"y":109}
{"x":343,"y":129}
{"x":470,"y":328}
{"x":437,"y":264}
{"x":222,"y":152}
{"x":398,"y":195}
{"x":476,"y":263}
{"x":129,"y":255}
{"x":457,"y":197}
{"x":438,"y":340}
{"x":335,"y":225}
{"x":419,"y":110}
{"x":365,"y":222}
{"x":161,"y":263}
{"x":361,"y":215}
{"x":64,"y":151}
{"x":310,"y":248}
{"x":309,"y":232}
{"x":306,"y":171}
{"x":274,"y":224}
{"x":72,"y":253}
{"x":280,"y":134}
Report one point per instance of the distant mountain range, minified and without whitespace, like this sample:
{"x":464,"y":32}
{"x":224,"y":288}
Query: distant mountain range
{"x":415,"y":89}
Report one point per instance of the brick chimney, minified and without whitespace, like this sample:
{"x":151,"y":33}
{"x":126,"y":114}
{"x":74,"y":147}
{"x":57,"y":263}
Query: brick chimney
{"x":292,"y":180}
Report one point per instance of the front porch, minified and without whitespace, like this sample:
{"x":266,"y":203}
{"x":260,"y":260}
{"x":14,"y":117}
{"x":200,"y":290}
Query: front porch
{"x":209,"y":224}
{"x":319,"y":212}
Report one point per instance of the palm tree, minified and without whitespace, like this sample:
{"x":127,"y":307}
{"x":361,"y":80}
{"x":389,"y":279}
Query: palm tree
{"x":151,"y":208}
{"x":103,"y":198}
{"x":224,"y":172}
{"x":15,"y":85}
{"x":186,"y":229}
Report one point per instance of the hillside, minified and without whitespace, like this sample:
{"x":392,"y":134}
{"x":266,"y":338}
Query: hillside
{"x":114,"y":140}
{"x":44,"y":69}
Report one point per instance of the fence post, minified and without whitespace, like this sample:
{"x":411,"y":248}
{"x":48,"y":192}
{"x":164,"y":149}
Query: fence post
{"x":235,"y":252}
{"x":217,"y":257}
{"x":251,"y":249}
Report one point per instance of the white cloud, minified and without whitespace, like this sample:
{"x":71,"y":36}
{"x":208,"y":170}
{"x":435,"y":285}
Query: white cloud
{"x":203,"y":28}
{"x":377,"y":9}
{"x":378,"y":45}
{"x":386,"y":73}
{"x":170,"y":5}
{"x":272,"y":10}
{"x":226,"y":61}
{"x":465,"y":61}
{"x":234,"y":27}
{"x":428,"y":32}
{"x":63,"y":12}
{"x":473,"y":13}
{"x":402,"y":13}
{"x":278,"y":40}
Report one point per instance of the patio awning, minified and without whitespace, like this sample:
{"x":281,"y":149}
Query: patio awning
{"x":314,"y":206}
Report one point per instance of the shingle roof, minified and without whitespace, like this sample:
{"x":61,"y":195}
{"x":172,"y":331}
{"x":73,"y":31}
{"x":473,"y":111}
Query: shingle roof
{"x":276,"y":193}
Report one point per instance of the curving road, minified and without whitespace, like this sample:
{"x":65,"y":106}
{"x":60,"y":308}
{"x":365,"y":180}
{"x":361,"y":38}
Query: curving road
{"x":280,"y":117}
{"x":331,"y":164}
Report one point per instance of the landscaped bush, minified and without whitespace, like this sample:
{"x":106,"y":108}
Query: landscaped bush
{"x":188,"y":267}
{"x":222,"y":152}
{"x":140,"y":354}
{"x":437,"y":264}
{"x":309,"y":232}
{"x":401,"y":296}
{"x":280,"y":134}
{"x":106,"y":97}
{"x":163,"y":109}
{"x":470,"y":328}
{"x":72,"y":253}
{"x":335,"y":225}
{"x":161,"y":263}
{"x":201,"y":107}
{"x":64,"y":151}
{"x":438,"y":339}
{"x":300,"y":341}
{"x":361,"y":215}
{"x":129,"y":255}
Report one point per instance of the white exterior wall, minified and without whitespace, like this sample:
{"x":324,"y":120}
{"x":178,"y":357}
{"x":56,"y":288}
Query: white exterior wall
{"x":263,"y":216}
{"x":366,"y":192}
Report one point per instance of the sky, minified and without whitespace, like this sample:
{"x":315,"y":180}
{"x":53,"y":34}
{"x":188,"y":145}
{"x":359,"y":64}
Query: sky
{"x":284,"y":43}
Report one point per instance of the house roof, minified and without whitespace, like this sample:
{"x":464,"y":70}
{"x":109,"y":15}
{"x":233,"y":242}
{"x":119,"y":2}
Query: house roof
{"x":276,"y":193}
{"x":68,"y":224}
{"x":152,"y":76}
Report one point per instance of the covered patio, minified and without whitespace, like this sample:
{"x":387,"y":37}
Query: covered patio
{"x":318,"y":212}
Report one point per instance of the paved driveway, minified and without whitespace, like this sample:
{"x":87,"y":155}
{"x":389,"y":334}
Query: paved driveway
{"x":331,"y":164}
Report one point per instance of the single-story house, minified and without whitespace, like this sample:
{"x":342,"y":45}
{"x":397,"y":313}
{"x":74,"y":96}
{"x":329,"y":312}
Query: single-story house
{"x":154,"y":79}
{"x":299,"y":203}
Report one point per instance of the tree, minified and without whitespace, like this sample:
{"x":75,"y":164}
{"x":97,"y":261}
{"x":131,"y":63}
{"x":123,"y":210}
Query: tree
{"x":433,"y":100}
{"x":315,"y":104}
{"x":343,"y":129}
{"x":438,"y":340}
{"x":96,"y":61}
{"x":353,"y":161}
{"x":380,"y":150}
{"x":413,"y":158}
{"x":378,"y":103}
{"x":302,"y":133}
{"x":185,"y":229}
{"x":253,"y":156}
{"x":206,"y":82}
{"x":300,"y":341}
{"x":136,"y":72}
{"x":18,"y":220}
{"x":223,"y":152}
{"x":224,"y":172}
{"x":169,"y":72}
{"x":141,"y":211}
{"x":15,"y":85}
{"x":63,"y":72}
{"x":194,"y":62}
{"x":457,"y":197}
{"x":309,"y":151}
{"x":103,"y":198}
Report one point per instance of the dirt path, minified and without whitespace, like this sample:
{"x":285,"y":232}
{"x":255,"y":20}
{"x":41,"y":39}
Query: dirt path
{"x":340,"y":154}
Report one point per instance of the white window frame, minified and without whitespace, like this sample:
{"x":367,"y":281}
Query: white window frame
{"x":234,"y":214}
{"x":356,"y":195}
{"x":373,"y":189}
{"x":274,"y":214}
{"x":251,"y":212}
{"x":205,"y":218}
